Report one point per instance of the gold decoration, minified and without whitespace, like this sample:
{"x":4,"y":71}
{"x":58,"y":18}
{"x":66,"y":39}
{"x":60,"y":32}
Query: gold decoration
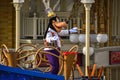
{"x":51,"y":14}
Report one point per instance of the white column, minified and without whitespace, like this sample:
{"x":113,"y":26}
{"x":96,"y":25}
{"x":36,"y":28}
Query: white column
{"x":17,"y":9}
{"x":87,"y":44}
{"x":34,"y":26}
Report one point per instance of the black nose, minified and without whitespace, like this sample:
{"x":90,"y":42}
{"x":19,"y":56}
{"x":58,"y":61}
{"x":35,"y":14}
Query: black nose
{"x":67,"y":22}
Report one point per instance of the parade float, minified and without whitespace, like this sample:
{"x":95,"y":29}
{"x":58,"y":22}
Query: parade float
{"x":29,"y":63}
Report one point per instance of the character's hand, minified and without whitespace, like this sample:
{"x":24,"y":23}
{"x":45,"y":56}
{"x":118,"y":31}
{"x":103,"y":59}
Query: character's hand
{"x":73,"y":30}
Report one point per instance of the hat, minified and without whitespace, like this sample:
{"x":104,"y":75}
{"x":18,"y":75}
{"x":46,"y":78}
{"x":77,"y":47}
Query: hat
{"x":50,"y":12}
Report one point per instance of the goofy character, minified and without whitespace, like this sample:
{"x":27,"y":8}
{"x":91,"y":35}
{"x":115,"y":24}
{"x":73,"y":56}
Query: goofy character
{"x":52,"y":38}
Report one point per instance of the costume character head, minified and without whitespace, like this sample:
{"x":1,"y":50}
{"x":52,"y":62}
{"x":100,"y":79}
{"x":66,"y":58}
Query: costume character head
{"x":55,"y":24}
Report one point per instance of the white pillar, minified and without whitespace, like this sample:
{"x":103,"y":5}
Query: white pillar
{"x":34,"y":26}
{"x":17,"y":9}
{"x":87,"y":44}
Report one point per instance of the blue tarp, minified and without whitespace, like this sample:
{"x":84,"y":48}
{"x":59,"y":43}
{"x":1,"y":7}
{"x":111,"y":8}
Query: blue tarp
{"x":11,"y":73}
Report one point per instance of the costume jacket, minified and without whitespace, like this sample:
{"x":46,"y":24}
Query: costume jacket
{"x":51,"y":34}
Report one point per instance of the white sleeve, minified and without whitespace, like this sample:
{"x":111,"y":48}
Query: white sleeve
{"x":63,"y":32}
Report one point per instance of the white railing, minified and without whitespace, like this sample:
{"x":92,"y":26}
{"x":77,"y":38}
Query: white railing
{"x":35,"y":27}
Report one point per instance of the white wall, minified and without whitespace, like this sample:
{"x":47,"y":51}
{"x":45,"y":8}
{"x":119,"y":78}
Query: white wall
{"x":102,"y":58}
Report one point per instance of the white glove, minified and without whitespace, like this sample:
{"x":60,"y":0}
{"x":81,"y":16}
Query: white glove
{"x":73,"y":30}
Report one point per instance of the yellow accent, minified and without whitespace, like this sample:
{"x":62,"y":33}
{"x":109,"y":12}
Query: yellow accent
{"x":51,"y":14}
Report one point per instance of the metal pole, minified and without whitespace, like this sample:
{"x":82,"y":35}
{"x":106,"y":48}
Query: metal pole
{"x":87,"y":61}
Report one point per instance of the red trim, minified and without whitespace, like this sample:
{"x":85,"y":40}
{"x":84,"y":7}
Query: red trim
{"x":68,"y":53}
